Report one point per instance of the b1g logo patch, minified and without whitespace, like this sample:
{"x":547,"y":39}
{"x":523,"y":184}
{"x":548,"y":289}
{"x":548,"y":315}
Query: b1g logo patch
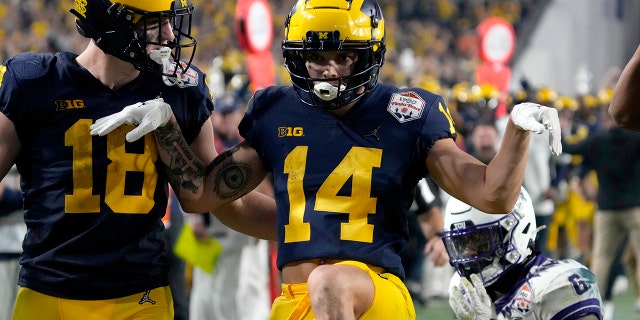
{"x":406,"y":106}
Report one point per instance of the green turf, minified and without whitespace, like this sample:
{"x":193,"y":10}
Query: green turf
{"x":439,"y":310}
{"x":434,"y":310}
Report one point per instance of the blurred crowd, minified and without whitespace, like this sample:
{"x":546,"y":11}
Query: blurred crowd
{"x":430,"y":44}
{"x":425,"y":39}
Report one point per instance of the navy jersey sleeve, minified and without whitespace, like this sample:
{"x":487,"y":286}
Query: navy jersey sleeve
{"x":249,"y":127}
{"x":437,"y":125}
{"x":7,"y":89}
{"x":20,"y":68}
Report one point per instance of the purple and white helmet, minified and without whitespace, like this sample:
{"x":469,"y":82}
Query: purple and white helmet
{"x":488,"y":244}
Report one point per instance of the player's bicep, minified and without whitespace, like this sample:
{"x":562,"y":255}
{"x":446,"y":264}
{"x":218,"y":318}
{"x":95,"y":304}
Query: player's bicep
{"x":455,"y":171}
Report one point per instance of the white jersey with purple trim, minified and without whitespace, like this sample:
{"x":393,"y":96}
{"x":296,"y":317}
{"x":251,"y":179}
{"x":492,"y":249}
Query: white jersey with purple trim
{"x":550,"y":290}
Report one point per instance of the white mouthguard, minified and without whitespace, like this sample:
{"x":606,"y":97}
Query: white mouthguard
{"x":326,"y":91}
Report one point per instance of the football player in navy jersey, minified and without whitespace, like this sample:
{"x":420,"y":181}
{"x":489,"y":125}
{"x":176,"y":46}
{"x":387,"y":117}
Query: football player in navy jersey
{"x":93,"y":205}
{"x":346,"y":154}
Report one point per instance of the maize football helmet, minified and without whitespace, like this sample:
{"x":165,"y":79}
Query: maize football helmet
{"x":488,"y":244}
{"x":335,"y":25}
{"x":125,"y":28}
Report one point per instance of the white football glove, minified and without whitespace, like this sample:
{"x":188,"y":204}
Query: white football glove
{"x":470,"y":301}
{"x":537,"y":118}
{"x":147,"y":116}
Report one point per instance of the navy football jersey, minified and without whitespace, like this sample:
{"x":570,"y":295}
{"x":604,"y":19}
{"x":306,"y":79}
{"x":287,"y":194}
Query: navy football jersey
{"x":93,"y":205}
{"x":343,"y":186}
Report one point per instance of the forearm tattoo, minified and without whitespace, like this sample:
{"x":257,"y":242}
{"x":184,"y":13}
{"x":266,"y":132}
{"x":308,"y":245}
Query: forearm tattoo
{"x":185,"y":171}
{"x":231,"y":178}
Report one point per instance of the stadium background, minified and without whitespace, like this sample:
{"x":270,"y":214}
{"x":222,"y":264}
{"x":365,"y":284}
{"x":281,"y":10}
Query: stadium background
{"x":558,"y":42}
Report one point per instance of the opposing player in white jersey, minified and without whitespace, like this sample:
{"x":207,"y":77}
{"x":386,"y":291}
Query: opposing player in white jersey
{"x":500,"y":275}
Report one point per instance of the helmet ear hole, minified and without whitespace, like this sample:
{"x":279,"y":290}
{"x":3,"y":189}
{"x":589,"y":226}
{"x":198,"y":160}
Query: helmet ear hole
{"x":121,"y":14}
{"x":526,"y":229}
{"x":83,"y":29}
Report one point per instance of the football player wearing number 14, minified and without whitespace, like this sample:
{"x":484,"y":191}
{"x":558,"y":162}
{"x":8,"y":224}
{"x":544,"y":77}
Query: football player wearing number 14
{"x":346,"y":154}
{"x":93,"y":205}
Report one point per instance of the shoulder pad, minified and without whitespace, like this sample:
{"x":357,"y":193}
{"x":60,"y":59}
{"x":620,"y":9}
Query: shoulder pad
{"x":29,"y":65}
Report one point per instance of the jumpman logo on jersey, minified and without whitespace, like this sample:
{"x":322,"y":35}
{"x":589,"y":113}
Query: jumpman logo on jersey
{"x":374,"y":133}
{"x":145,"y":298}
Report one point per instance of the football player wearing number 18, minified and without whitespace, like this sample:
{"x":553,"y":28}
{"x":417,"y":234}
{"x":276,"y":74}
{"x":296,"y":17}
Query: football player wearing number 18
{"x":346,"y":154}
{"x":500,"y":274}
{"x":93,"y":205}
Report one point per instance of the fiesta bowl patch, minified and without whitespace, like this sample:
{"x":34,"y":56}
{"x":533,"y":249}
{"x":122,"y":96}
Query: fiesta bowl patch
{"x":522,"y":302}
{"x":406,"y":106}
{"x":189,"y":79}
